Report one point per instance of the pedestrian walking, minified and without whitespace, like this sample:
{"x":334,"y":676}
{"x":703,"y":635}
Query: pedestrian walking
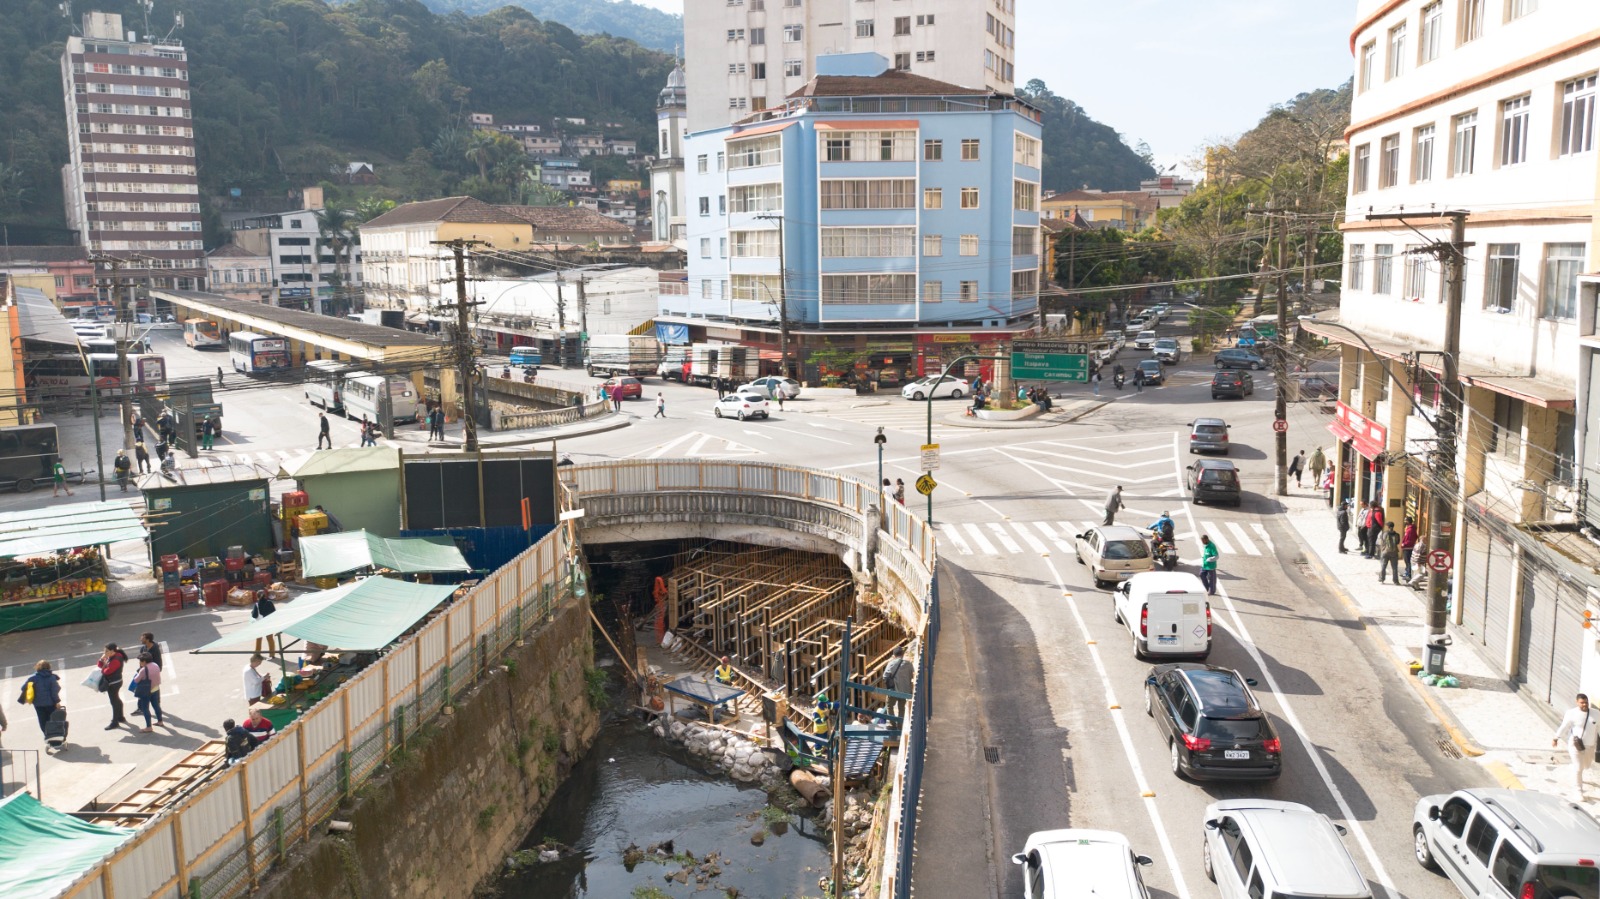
{"x":616,"y":402}
{"x":256,"y":684}
{"x":1389,"y":553}
{"x":1113,"y":503}
{"x":1094,"y":382}
{"x":1208,"y":565}
{"x":1297,"y":465}
{"x":219,"y":376}
{"x":1341,"y":520}
{"x":123,"y":469}
{"x":1138,"y":379}
{"x":206,"y":436}
{"x":110,"y":666}
{"x":42,"y":690}
{"x":263,"y":607}
{"x":900,"y":491}
{"x":897,"y":674}
{"x":58,"y":479}
{"x":146,"y":686}
{"x":322,"y":431}
{"x":661,"y":407}
{"x":1316,"y":465}
{"x":148,"y":646}
{"x":142,"y":456}
{"x":1408,"y":544}
{"x":1577,"y":730}
{"x":780,"y":400}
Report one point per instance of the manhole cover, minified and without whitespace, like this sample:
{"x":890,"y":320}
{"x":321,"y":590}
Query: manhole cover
{"x":1448,"y":747}
{"x":991,"y":754}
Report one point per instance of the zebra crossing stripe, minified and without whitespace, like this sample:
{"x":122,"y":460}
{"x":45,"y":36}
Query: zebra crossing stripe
{"x":982,"y":542}
{"x":1028,"y":538}
{"x":1215,"y":533}
{"x":1244,"y":539}
{"x":953,"y":534}
{"x":1060,"y":542}
{"x":1004,"y":538}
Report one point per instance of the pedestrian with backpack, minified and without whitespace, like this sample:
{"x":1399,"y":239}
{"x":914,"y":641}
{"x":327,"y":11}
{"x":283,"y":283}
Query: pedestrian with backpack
{"x":110,"y":666}
{"x":42,"y":690}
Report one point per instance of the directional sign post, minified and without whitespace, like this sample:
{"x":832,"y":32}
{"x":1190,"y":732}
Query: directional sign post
{"x":925,"y":485}
{"x":930,"y":457}
{"x":1049,"y":360}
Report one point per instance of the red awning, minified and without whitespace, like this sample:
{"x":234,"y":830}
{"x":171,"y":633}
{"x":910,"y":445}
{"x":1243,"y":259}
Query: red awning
{"x":1364,"y":445}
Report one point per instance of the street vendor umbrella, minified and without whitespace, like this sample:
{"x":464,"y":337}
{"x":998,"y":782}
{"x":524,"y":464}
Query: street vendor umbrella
{"x":364,"y":615}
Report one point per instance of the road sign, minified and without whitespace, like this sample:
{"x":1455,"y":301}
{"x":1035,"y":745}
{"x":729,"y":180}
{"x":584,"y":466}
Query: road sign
{"x":1280,"y":425}
{"x":925,"y":485}
{"x":1050,"y":360}
{"x":1439,"y":560}
{"x":930,"y":457}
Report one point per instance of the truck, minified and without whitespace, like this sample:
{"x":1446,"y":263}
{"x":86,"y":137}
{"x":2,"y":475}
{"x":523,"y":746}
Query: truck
{"x":674,"y":364}
{"x":387,"y":318}
{"x":702,"y":368}
{"x":615,"y":355}
{"x":27,"y":455}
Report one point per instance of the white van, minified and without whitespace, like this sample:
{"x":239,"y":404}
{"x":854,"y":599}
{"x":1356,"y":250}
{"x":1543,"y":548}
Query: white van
{"x":1166,"y":612}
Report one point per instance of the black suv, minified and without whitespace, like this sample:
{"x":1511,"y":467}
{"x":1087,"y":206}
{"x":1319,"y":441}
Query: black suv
{"x":1213,"y":481}
{"x":1234,"y":358}
{"x":1213,"y":725}
{"x":1231,"y":382}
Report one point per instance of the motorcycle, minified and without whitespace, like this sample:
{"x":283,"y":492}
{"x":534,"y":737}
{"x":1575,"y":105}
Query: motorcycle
{"x":1164,"y":552}
{"x":528,"y":374}
{"x":1118,"y":380}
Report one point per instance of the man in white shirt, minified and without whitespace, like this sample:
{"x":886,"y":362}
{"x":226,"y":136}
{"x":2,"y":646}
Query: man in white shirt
{"x":253,"y":679}
{"x":1578,"y":729}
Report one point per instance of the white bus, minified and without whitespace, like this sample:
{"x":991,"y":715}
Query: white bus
{"x":202,"y":333}
{"x":251,"y":352}
{"x":362,"y":392}
{"x":325,"y":383}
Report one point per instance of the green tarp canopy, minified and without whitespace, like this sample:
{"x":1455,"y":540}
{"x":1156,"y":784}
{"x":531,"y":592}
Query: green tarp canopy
{"x":330,"y":554}
{"x":38,"y":532}
{"x":42,"y":851}
{"x":364,"y":615}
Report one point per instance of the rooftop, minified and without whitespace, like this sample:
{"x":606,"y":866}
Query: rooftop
{"x":233,"y":251}
{"x":566,"y":219}
{"x":459,"y":210}
{"x":10,"y":255}
{"x":332,"y":326}
{"x":889,"y":84}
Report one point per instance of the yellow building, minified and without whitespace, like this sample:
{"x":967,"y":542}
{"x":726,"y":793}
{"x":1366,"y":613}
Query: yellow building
{"x":404,"y":264}
{"x":623,"y":185}
{"x":1128,"y":210}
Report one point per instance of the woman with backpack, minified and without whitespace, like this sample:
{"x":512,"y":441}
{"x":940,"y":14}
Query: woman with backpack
{"x":146,"y":686}
{"x":110,"y":666}
{"x":42,"y":690}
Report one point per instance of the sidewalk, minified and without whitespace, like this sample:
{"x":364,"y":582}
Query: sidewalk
{"x":1485,"y":717}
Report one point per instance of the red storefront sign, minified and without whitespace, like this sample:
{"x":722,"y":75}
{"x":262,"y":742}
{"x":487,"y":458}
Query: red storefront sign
{"x":1369,"y":437}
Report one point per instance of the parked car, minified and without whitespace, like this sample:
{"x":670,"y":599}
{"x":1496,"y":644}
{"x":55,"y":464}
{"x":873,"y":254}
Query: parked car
{"x":1064,"y":863}
{"x":1495,"y":842}
{"x":1145,"y":340}
{"x":1208,"y":435}
{"x":1113,"y":553}
{"x":1232,"y":382}
{"x":770,"y":387}
{"x":1213,"y":481}
{"x":1263,"y":847}
{"x":1154,"y":372}
{"x":627,"y":388}
{"x":1166,"y":613}
{"x":955,"y":388}
{"x":740,"y":406}
{"x":1213,"y":725}
{"x":1166,"y":350}
{"x":1237,"y":358}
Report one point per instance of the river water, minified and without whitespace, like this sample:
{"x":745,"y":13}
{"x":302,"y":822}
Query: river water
{"x":633,"y":788}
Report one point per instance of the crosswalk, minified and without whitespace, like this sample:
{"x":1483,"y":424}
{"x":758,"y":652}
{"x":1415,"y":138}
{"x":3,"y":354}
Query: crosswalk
{"x":995,"y":538}
{"x":896,"y":414}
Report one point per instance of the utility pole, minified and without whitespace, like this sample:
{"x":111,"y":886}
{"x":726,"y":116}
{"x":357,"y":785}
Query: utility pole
{"x":122,"y":325}
{"x":583,"y":322}
{"x":466,"y":349}
{"x":1308,"y":264}
{"x":783,"y":300}
{"x":1442,"y":512}
{"x":1280,"y":368}
{"x":561,"y":323}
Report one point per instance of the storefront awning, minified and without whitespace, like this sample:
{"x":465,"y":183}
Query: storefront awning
{"x":39,"y":531}
{"x":330,"y":554}
{"x":364,"y":615}
{"x":45,"y":851}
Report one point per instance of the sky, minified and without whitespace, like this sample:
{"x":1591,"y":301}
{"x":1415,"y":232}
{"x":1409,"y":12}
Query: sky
{"x":1177,"y":74}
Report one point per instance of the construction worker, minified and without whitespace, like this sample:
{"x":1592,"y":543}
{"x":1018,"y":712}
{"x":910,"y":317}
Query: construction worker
{"x":724,"y":673}
{"x":820,"y":718}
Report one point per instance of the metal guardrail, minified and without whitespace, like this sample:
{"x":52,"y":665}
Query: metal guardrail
{"x":19,"y":772}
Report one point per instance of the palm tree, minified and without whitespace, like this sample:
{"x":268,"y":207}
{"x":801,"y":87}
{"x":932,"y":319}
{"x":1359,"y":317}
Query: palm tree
{"x":480,"y":151}
{"x":336,"y":228}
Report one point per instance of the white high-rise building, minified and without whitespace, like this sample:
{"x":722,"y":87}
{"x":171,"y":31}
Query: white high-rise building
{"x":747,"y":55}
{"x":666,"y":173}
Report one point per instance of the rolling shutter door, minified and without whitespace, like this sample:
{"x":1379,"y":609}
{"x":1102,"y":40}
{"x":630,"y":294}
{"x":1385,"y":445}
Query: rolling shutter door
{"x":1567,"y":649}
{"x":1474,"y":579}
{"x":1497,"y":606}
{"x":1536,"y":642}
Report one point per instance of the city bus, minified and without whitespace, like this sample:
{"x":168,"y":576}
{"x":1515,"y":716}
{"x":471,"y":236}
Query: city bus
{"x":202,"y":334}
{"x":140,"y":344}
{"x":325,"y":383}
{"x":362,"y":394}
{"x":56,"y":376}
{"x":147,"y":370}
{"x":251,"y":352}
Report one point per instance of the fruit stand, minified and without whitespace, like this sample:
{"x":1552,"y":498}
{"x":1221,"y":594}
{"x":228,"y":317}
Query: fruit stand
{"x":52,"y":562}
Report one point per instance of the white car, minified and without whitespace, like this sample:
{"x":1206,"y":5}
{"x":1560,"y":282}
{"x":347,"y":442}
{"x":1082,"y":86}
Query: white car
{"x":1066,"y":864}
{"x":955,"y":388}
{"x":741,"y":406}
{"x":1113,"y":553}
{"x":771,"y":387}
{"x":1145,"y":340}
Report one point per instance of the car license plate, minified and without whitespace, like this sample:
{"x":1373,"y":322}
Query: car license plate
{"x":1165,"y":639}
{"x":1241,"y":754}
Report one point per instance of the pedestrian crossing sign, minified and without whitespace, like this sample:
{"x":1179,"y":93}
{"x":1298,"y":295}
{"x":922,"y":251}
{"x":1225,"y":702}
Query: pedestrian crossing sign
{"x":925,"y":485}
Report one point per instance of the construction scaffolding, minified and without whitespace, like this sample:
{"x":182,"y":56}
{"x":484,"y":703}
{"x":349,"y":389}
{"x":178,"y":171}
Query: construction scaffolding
{"x":780,"y":612}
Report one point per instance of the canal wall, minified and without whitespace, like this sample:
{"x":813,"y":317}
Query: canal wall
{"x":467,"y":787}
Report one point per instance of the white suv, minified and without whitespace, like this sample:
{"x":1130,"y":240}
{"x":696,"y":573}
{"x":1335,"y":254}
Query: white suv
{"x":1509,"y":843}
{"x":1266,"y":849}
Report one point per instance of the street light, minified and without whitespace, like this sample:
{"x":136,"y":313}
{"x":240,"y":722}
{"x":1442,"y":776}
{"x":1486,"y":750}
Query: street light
{"x":880,"y":440}
{"x":933,"y":389}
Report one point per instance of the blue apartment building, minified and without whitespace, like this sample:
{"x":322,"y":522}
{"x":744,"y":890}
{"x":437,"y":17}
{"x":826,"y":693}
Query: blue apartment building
{"x":880,"y":209}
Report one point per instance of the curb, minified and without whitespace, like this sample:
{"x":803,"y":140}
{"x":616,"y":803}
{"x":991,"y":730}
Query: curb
{"x":1446,"y":720}
{"x":1502,"y":774}
{"x":1095,"y":408}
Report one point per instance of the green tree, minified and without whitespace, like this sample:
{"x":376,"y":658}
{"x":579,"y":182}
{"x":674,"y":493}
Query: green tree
{"x":1081,"y":152}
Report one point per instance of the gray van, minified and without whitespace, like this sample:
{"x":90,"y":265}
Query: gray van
{"x":1494,"y":842}
{"x":1278,"y":850}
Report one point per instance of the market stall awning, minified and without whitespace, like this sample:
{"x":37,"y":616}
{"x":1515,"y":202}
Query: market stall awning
{"x":39,"y":531}
{"x":329,"y":554}
{"x":344,"y":460}
{"x":42,"y":851}
{"x":364,"y":615}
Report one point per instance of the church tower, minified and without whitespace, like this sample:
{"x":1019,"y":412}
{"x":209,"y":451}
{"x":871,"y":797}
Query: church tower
{"x":667,"y":196}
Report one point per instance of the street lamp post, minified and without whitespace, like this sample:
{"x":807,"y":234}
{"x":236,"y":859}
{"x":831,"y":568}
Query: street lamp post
{"x":932,"y":389}
{"x":880,"y":440}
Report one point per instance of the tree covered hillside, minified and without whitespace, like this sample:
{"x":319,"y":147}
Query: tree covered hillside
{"x":646,"y":25}
{"x":1080,"y":152}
